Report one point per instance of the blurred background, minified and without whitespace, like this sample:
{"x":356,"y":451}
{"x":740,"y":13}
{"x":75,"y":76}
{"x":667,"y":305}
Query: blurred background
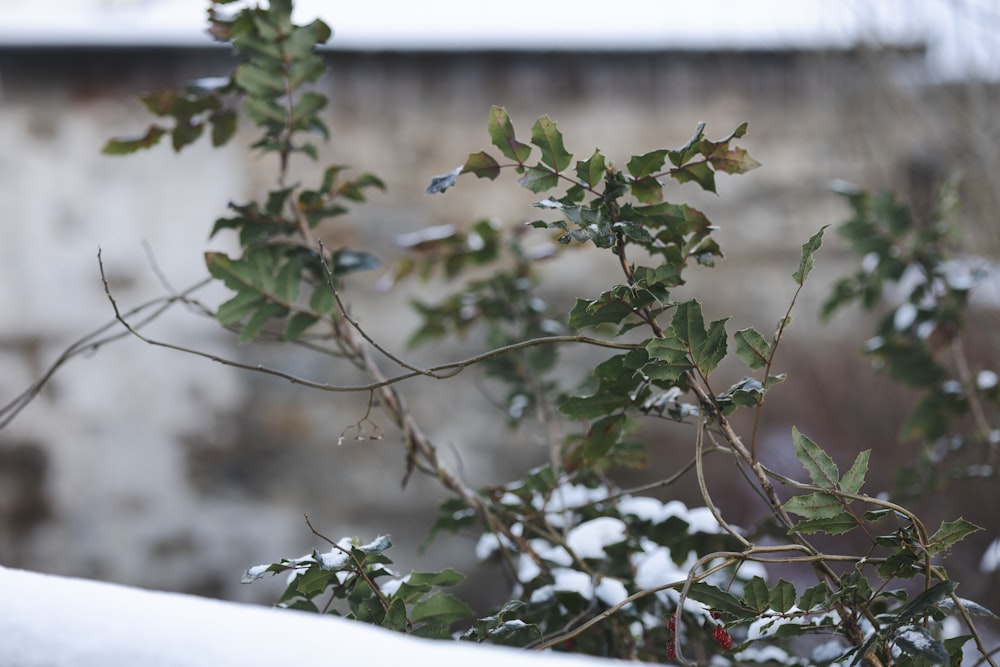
{"x":150,"y":467}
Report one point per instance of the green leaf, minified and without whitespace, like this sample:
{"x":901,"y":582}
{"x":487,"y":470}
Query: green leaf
{"x":917,"y":641}
{"x":690,"y":149}
{"x":235,"y":275}
{"x":602,"y":436}
{"x":668,"y":358}
{"x":950,"y":533}
{"x":259,"y":319}
{"x":783,"y":596}
{"x":924,"y":602}
{"x":547,"y":137}
{"x":238,"y":307}
{"x":286,"y":285}
{"x":264,"y":111}
{"x":809,"y":248}
{"x":395,"y":618}
{"x":313,"y":581}
{"x":482,"y":165}
{"x":441,"y":608}
{"x":223,"y":126}
{"x":126,"y":146}
{"x":538,"y":179}
{"x":751,"y":348}
{"x":600,"y":311}
{"x":309,"y":103}
{"x":812,"y":597}
{"x":713,"y":349}
{"x":815,"y":506}
{"x":446,"y":577}
{"x":259,"y":81}
{"x":648,"y":190}
{"x":756,"y":595}
{"x":733,"y":161}
{"x":297,"y":324}
{"x":649,"y":163}
{"x":821,"y":468}
{"x":837,"y":525}
{"x":322,"y":300}
{"x":591,"y":171}
{"x":502,"y":133}
{"x":698,"y":172}
{"x":854,"y":478}
{"x":689,"y":324}
{"x":716,"y":598}
{"x":260,"y":263}
{"x":707,"y":347}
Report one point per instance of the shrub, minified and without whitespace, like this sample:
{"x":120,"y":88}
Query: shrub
{"x":598,"y":569}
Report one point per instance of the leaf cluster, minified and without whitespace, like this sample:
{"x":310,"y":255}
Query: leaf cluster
{"x":356,"y":577}
{"x":919,"y":340}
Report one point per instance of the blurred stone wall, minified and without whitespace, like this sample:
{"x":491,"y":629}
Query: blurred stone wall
{"x":148,"y":466}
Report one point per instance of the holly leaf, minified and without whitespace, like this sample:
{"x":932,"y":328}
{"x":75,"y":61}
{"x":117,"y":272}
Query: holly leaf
{"x":502,"y":133}
{"x":821,"y":468}
{"x":547,"y":137}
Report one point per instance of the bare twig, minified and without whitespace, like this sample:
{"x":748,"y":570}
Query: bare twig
{"x":94,"y":340}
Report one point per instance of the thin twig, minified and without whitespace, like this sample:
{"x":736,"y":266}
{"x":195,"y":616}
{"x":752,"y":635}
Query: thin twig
{"x":455,"y":367}
{"x":358,"y":565}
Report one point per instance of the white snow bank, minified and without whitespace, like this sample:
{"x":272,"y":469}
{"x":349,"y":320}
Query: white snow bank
{"x":57,"y":622}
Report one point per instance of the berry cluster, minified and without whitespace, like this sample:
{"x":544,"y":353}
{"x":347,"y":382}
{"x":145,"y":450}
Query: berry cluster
{"x":719,"y":634}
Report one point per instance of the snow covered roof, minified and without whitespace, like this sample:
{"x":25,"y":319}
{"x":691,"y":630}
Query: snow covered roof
{"x":962,"y":35}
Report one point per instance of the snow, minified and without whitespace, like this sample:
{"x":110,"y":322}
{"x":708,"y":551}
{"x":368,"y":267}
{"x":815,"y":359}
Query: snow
{"x":990,"y":562}
{"x":905,"y":315}
{"x":643,"y":508}
{"x":333,"y":559}
{"x":610,"y":591}
{"x":60,"y":622}
{"x":589,"y":538}
{"x":986,"y":380}
{"x":654,"y":567}
{"x":960,"y":38}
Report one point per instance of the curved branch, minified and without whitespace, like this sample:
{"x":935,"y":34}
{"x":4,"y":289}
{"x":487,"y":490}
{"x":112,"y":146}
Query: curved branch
{"x":455,"y":367}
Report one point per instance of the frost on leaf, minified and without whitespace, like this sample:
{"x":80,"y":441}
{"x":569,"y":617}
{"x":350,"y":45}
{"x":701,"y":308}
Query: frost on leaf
{"x":443,"y":182}
{"x":254,"y":573}
{"x":334,"y":559}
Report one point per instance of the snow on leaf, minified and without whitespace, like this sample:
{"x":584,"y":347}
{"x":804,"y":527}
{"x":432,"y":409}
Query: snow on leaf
{"x":376,"y":546}
{"x":443,"y":182}
{"x":588,"y":539}
{"x":915,"y":640}
{"x":427,"y":235}
{"x":610,"y":591}
{"x":254,"y":573}
{"x":334,"y":559}
{"x":643,"y":508}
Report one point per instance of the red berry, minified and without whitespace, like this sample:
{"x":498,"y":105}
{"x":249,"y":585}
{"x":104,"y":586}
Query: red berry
{"x":671,"y":651}
{"x":672,"y":623}
{"x":722,"y":638}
